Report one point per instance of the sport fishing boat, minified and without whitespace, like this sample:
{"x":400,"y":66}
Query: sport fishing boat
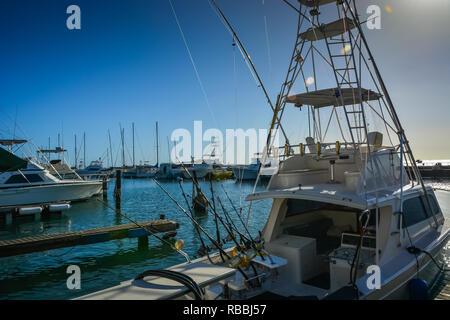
{"x":173,"y":171}
{"x":250,"y":172}
{"x":23,"y":182}
{"x":94,"y":171}
{"x":348,"y":220}
{"x":201,"y":170}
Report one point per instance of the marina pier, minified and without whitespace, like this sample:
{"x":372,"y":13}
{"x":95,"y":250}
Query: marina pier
{"x":69,"y":239}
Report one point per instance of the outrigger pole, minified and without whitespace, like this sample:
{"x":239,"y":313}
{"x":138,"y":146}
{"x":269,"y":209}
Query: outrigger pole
{"x":247,"y":58}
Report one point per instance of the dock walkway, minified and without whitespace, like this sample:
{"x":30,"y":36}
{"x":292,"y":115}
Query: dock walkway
{"x":62,"y":240}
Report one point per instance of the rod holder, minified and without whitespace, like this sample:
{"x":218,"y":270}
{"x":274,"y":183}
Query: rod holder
{"x":332,"y":163}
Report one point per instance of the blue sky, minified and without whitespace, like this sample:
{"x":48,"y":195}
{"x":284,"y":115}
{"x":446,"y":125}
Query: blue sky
{"x":128,"y":63}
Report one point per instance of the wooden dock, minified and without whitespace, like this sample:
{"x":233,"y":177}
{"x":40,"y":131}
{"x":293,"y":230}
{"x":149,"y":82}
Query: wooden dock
{"x":69,"y":239}
{"x":444,"y":294}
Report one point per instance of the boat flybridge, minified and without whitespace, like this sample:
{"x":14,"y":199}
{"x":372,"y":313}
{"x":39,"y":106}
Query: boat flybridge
{"x":351,"y":217}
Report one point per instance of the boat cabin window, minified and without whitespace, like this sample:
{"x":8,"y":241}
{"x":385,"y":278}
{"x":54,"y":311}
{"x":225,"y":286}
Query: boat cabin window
{"x":18,"y":178}
{"x":414,"y":210}
{"x":299,"y":206}
{"x":434,"y":205}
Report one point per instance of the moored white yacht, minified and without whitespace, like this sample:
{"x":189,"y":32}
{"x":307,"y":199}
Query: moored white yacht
{"x":347,"y":219}
{"x":25,"y":183}
{"x":94,"y":171}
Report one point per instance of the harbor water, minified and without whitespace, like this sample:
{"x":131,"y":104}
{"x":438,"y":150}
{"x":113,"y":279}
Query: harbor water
{"x":43,"y":275}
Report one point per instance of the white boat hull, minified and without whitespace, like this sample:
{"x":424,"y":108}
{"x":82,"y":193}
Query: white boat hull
{"x":49,"y":193}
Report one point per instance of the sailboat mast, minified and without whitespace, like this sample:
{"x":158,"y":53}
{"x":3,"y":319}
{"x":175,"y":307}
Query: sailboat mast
{"x":168,"y":148}
{"x":84,"y":149}
{"x":134,"y":163}
{"x":122,"y":133}
{"x":110,"y":149}
{"x":157,"y":145}
{"x":76,"y":158}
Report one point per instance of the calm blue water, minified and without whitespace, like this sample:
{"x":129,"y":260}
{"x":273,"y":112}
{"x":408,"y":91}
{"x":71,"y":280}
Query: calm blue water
{"x":43,"y":275}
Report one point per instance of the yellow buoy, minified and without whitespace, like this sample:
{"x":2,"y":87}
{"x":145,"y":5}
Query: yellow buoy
{"x":286,"y":148}
{"x":179,"y":244}
{"x":301,"y":149}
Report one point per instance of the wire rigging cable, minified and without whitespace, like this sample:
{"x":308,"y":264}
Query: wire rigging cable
{"x":193,"y":63}
{"x":268,"y":44}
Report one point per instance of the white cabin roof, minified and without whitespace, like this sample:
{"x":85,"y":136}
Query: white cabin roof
{"x":331,"y":97}
{"x":329,"y":193}
{"x":328,"y":30}
{"x":314,"y":3}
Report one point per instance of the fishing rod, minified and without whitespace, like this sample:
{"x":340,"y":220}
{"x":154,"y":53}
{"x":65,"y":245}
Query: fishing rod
{"x":184,"y":254}
{"x":230,"y":222}
{"x":226,"y":216}
{"x":237,"y":213}
{"x":196,"y":228}
{"x":238,"y":245}
{"x":233,"y":238}
{"x":213,"y":207}
{"x":208,"y":202}
{"x":200,"y":227}
{"x":254,"y":244}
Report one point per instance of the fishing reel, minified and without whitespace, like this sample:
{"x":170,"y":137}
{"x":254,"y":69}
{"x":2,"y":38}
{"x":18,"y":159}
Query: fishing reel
{"x":243,"y":256}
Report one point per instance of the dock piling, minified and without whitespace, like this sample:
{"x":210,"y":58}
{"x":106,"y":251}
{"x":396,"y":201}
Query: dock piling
{"x":105,"y":186}
{"x":9,"y":218}
{"x":118,"y":190}
{"x":142,"y":243}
